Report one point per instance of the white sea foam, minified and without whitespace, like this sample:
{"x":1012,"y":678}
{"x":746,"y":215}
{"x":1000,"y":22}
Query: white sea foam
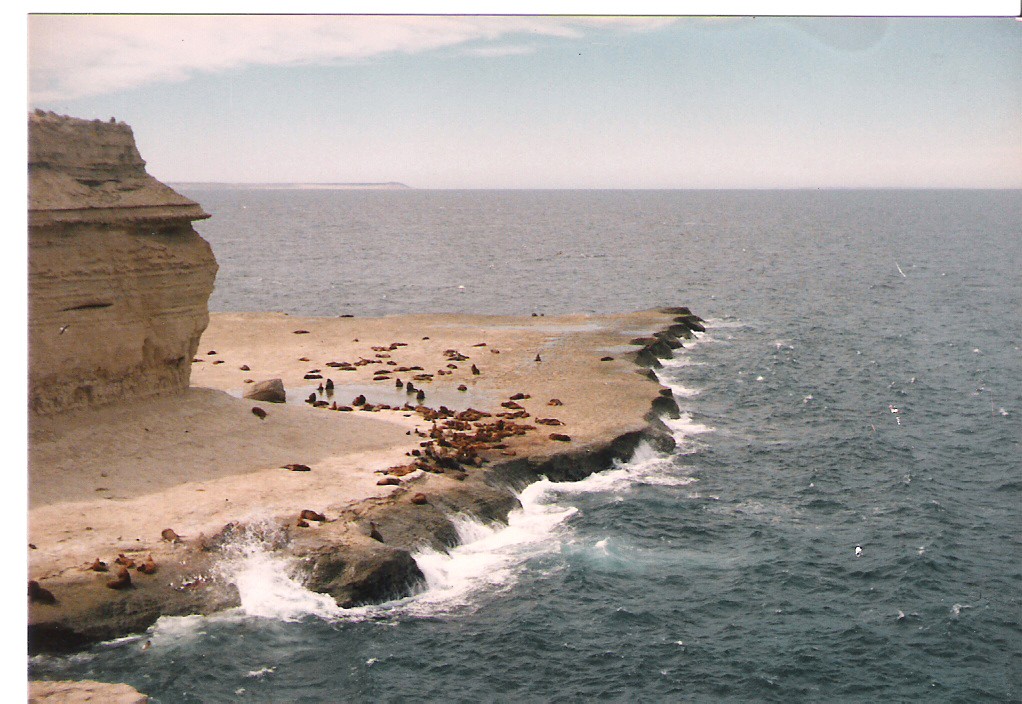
{"x":268,"y":581}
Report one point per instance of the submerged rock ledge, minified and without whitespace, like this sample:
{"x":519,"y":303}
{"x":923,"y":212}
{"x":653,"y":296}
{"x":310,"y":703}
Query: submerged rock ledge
{"x":351,"y":523}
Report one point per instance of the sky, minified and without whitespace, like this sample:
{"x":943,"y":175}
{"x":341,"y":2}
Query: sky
{"x":460,"y":101}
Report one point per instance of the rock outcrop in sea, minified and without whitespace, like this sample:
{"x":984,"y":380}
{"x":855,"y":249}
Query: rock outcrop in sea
{"x":118,"y":278}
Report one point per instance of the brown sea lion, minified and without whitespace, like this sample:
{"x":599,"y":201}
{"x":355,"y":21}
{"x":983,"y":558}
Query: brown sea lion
{"x":310,"y":515}
{"x":373,"y":533}
{"x":258,"y":413}
{"x":560,"y":437}
{"x":170,"y":536}
{"x":40,"y":594}
{"x":419,"y":499}
{"x":121,"y":581}
{"x":295,"y":467}
{"x":98,"y":566}
{"x":147,"y":567}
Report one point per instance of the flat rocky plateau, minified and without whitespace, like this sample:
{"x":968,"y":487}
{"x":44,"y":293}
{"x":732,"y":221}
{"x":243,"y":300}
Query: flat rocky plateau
{"x":160,"y":489}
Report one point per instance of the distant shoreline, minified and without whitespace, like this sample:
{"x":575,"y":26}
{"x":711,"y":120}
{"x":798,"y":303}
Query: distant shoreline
{"x":214,"y":185}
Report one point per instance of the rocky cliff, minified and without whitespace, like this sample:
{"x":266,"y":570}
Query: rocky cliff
{"x":118,"y":279}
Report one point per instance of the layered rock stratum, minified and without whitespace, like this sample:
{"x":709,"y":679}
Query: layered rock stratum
{"x":118,"y":278}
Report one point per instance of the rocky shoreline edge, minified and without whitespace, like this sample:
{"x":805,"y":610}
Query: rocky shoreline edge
{"x":363,"y":554}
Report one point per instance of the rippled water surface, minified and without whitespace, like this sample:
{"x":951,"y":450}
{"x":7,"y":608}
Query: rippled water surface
{"x":860,"y":384}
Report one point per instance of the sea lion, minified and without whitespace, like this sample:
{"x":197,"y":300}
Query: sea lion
{"x":538,"y":359}
{"x":606,"y":359}
{"x":98,"y":566}
{"x":310,"y":515}
{"x":359,"y":400}
{"x":475,"y":370}
{"x":399,"y":384}
{"x":121,"y":581}
{"x":124,"y":560}
{"x":389,"y":481}
{"x":420,"y":395}
{"x":560,"y":437}
{"x":520,"y":397}
{"x":329,"y":384}
{"x":462,"y":387}
{"x":419,"y":499}
{"x":245,"y":368}
{"x":258,"y":413}
{"x":295,"y":467}
{"x":147,"y":567}
{"x":170,"y":536}
{"x":40,"y":594}
{"x":555,"y":402}
{"x":373,"y":533}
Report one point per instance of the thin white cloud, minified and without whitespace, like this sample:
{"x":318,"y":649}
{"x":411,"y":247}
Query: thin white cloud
{"x":500,"y":50}
{"x":73,"y":56}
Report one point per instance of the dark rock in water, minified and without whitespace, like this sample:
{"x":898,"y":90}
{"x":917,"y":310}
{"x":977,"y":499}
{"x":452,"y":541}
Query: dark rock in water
{"x":676,"y":310}
{"x":692,"y":322}
{"x":666,"y":405}
{"x":271,"y":391}
{"x":646,"y":358}
{"x":668,"y":339}
{"x":680,"y":330}
{"x":358,"y":573}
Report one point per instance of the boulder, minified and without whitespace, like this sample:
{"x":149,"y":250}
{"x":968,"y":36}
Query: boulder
{"x":271,"y":391}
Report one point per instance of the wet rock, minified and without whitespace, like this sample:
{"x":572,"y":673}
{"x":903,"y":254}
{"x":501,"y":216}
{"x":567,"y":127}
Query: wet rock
{"x":271,"y":391}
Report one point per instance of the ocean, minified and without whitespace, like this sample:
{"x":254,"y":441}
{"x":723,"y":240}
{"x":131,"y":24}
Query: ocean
{"x":858,"y":390}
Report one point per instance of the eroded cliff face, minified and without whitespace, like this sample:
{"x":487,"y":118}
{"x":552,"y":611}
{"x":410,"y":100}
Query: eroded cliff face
{"x":118,"y":278}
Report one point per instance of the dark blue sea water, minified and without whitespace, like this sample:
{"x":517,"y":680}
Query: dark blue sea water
{"x":860,"y":384}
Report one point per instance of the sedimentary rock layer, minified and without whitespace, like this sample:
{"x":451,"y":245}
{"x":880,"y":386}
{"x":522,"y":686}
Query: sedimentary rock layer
{"x":118,"y":279}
